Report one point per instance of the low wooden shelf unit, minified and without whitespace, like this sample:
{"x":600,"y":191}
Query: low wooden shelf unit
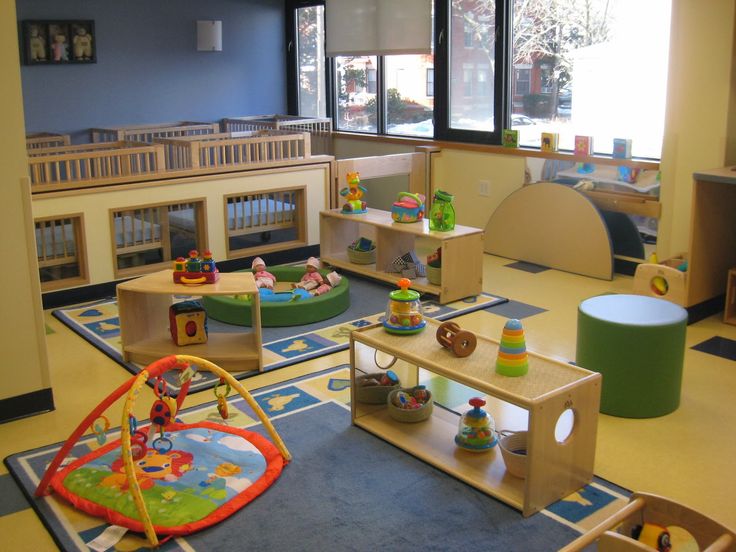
{"x":462,"y":250}
{"x":550,"y":389}
{"x":143,"y":306}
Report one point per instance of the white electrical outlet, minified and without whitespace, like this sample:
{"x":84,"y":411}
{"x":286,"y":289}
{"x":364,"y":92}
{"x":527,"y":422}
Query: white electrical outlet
{"x":484,"y":188}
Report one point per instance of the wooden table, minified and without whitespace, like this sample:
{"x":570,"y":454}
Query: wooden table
{"x":143,"y":305}
{"x":550,"y":388}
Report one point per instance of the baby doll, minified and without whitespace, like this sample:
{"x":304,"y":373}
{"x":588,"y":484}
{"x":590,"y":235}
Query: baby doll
{"x":312,"y":279}
{"x":333,"y":279}
{"x":264,"y":279}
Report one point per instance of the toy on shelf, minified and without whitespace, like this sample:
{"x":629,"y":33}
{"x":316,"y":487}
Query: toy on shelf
{"x":188,"y":323}
{"x":404,"y":315}
{"x":621,"y":148}
{"x":513,"y":359}
{"x":663,"y":280}
{"x":510,"y":138}
{"x":408,"y":265}
{"x":410,"y":405}
{"x":476,"y":429}
{"x":264,"y":279}
{"x":583,"y":145}
{"x":362,"y":251}
{"x":550,"y":141}
{"x":408,"y":208}
{"x":442,"y":213}
{"x":460,"y":342}
{"x":434,"y":267}
{"x":195,"y":271}
{"x":353,"y":194}
{"x":375,"y":388}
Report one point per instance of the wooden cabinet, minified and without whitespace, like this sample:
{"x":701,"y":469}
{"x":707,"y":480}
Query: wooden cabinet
{"x":542,"y":399}
{"x":462,"y":250}
{"x":729,"y":313}
{"x":712,"y":236}
{"x":143,"y":305}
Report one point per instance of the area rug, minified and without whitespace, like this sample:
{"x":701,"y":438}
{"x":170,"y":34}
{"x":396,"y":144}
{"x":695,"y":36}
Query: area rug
{"x":345,"y":489}
{"x":98,"y":323}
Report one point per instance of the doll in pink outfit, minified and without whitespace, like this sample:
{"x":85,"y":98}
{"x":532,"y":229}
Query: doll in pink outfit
{"x":312,"y":279}
{"x":264,"y":279}
{"x":331,"y":280}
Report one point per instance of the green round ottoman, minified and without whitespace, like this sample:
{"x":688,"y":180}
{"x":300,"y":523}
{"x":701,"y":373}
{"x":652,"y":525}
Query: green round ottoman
{"x":637,"y":343}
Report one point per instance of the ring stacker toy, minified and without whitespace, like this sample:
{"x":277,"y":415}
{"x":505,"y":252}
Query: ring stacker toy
{"x":404,"y":315}
{"x":181,"y":483}
{"x":460,"y":342}
{"x":513,"y":360}
{"x":476,"y":429}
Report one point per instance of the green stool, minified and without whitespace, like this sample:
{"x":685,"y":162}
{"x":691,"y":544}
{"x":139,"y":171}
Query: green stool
{"x":637,"y":343}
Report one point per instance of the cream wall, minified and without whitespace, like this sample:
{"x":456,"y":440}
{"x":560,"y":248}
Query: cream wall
{"x":699,"y":97}
{"x":24,"y":367}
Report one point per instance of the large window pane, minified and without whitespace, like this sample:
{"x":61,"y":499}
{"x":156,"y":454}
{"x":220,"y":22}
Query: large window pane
{"x":471,"y":67}
{"x":311,"y":61}
{"x":356,"y":93}
{"x":591,"y":67}
{"x":409,"y":106}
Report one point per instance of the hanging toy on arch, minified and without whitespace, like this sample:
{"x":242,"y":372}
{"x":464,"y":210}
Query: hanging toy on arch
{"x":163,"y":412}
{"x":222,"y":398}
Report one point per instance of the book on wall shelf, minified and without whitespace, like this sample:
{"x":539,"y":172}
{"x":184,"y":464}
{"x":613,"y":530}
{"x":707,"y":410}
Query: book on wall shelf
{"x":510,"y":138}
{"x":621,"y":148}
{"x":583,"y":145}
{"x":550,"y":141}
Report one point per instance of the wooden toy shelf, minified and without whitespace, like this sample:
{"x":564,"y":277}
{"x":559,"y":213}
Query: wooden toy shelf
{"x":143,"y":306}
{"x":462,"y":250}
{"x":554,"y":469}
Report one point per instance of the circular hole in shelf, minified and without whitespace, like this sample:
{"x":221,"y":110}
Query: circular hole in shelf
{"x":565,"y":425}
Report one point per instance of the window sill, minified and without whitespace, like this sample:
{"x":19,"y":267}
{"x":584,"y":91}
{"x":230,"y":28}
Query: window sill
{"x":500,"y":150}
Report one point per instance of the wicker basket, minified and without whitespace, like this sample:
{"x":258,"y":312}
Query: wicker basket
{"x":362,"y":257}
{"x":513,"y":450}
{"x":373,"y":394}
{"x":434,"y":275}
{"x":406,"y":415}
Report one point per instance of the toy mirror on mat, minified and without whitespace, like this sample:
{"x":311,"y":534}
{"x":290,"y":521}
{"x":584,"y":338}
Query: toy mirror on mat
{"x":178,"y":478}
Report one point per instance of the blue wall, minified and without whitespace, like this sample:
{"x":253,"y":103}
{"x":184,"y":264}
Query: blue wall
{"x":148,"y":69}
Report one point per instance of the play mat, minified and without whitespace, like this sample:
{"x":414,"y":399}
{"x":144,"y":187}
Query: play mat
{"x":170,"y":478}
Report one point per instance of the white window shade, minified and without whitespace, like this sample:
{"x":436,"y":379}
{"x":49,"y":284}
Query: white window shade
{"x":382,"y":27}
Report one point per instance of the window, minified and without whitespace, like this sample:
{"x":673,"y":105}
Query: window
{"x":571,"y":66}
{"x":311,"y":61}
{"x":587,"y":72}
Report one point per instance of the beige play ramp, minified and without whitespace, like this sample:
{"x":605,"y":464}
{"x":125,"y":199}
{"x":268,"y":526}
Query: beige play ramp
{"x":554,"y":226}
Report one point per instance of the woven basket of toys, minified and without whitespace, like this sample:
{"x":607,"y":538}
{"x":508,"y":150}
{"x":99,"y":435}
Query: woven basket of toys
{"x":410,"y":405}
{"x":374,"y":388}
{"x":362,"y":251}
{"x":513,"y":450}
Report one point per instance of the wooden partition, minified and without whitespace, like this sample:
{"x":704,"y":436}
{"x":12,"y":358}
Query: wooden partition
{"x":92,"y":164}
{"x":147,"y":133}
{"x":230,"y":149}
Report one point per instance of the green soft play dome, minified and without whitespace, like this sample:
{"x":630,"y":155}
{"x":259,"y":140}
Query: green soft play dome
{"x":232,"y":310}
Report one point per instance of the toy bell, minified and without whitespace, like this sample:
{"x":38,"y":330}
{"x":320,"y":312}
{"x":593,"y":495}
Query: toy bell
{"x":404,"y":313}
{"x":477,"y":429}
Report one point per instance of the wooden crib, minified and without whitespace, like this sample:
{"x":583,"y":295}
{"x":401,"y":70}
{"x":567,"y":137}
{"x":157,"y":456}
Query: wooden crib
{"x":147,"y":133}
{"x":46,"y":140}
{"x":320,"y":128}
{"x":92,"y":164}
{"x":233,"y":149}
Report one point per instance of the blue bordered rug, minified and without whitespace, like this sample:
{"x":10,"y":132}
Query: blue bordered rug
{"x":341,"y":485}
{"x":98,"y":323}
